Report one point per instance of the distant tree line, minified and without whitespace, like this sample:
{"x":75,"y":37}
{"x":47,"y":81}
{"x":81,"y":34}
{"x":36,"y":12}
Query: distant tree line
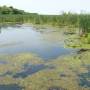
{"x":10,"y":10}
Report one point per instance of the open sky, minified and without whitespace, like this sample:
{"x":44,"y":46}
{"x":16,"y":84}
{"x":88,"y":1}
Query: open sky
{"x":49,"y":6}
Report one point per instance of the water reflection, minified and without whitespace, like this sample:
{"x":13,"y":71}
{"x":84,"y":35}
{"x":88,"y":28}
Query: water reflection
{"x":21,"y":38}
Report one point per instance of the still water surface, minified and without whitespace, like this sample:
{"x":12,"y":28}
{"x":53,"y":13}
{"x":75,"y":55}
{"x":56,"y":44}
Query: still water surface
{"x":23,"y":39}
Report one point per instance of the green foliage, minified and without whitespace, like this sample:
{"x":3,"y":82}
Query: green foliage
{"x":10,"y":14}
{"x":10,"y":10}
{"x":84,"y":23}
{"x":13,"y":15}
{"x":88,"y":39}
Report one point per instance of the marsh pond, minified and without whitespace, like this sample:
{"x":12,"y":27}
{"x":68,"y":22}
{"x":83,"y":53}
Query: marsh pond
{"x":46,"y":43}
{"x":34,"y":58}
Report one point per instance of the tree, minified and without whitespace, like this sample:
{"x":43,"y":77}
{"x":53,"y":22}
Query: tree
{"x":6,"y":10}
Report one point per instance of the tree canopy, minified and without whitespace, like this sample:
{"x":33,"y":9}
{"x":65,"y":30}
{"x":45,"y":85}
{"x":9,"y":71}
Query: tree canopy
{"x":10,"y":10}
